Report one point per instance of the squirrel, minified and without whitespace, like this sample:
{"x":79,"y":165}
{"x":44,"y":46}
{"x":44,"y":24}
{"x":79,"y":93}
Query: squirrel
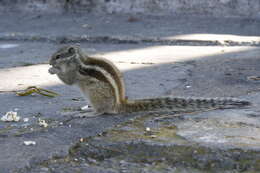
{"x":102,"y":84}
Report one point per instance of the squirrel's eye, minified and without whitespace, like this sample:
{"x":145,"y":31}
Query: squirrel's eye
{"x":57,"y":57}
{"x":71,"y":50}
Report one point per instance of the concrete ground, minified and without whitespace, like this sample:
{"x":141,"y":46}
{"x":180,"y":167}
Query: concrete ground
{"x":180,"y":56}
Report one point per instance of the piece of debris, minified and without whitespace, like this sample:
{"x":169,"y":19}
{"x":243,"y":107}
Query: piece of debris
{"x":10,"y":116}
{"x":27,"y":143}
{"x":133,"y":19}
{"x":25,"y":119}
{"x":153,"y":136}
{"x":91,"y":160}
{"x":253,"y":78}
{"x":42,"y":123}
{"x":149,"y":132}
{"x":85,"y":108}
{"x":33,"y":89}
{"x":148,"y":129}
{"x":86,"y":26}
{"x":77,"y":99}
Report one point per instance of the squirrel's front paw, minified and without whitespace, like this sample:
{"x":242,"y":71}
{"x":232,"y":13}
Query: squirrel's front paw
{"x":87,"y":108}
{"x":53,"y":70}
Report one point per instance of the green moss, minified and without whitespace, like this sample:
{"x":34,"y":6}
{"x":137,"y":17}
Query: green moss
{"x":136,"y":130}
{"x":160,"y":148}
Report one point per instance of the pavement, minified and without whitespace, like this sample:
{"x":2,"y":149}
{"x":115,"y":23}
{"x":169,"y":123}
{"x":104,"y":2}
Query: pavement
{"x":158,"y":55}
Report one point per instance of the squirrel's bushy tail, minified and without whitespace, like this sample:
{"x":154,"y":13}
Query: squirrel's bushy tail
{"x":179,"y":104}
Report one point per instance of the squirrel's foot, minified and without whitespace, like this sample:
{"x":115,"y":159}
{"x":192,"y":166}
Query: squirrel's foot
{"x":87,"y":108}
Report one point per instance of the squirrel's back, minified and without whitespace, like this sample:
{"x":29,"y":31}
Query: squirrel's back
{"x":108,"y":70}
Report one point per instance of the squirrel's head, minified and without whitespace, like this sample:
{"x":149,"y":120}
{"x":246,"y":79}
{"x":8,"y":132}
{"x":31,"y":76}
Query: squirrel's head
{"x":64,"y":55}
{"x":64,"y":63}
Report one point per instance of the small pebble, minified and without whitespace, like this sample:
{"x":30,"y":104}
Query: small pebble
{"x":27,"y":143}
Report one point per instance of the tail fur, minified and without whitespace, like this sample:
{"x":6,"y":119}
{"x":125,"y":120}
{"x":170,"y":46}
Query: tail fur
{"x":178,"y":104}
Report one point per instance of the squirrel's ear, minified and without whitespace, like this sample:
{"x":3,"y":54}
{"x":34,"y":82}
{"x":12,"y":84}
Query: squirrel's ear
{"x":71,"y":50}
